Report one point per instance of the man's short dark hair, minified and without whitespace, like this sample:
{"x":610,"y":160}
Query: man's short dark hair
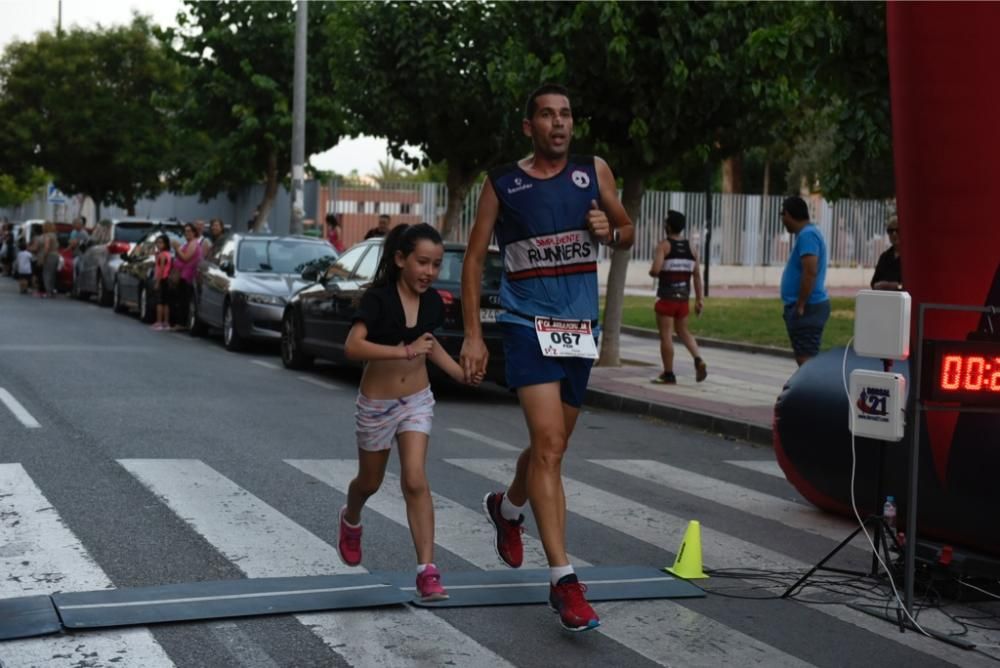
{"x":385,"y":216}
{"x":331,"y":219}
{"x":796,"y":208}
{"x":675,"y":221}
{"x":545,"y":89}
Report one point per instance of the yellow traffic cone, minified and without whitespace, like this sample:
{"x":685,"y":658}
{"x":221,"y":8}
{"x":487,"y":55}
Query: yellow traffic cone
{"x":687,"y":565}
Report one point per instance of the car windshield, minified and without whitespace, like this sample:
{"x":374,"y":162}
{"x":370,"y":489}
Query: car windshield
{"x":279,"y":256}
{"x":131,"y":232}
{"x":451,"y":269}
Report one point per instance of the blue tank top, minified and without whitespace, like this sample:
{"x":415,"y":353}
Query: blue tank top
{"x":549,"y":256}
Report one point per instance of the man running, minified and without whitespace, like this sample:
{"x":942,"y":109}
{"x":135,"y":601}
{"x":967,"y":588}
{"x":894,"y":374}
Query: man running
{"x":548,"y":212}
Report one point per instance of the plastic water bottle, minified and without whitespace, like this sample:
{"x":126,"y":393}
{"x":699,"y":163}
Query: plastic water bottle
{"x":889,"y":512}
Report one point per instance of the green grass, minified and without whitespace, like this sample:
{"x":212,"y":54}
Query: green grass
{"x":750,"y":320}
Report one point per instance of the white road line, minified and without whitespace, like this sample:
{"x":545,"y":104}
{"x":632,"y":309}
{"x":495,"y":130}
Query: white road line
{"x":220,"y":597}
{"x":266,"y":365}
{"x":638,"y":625}
{"x":41,"y":555}
{"x":486,"y":439}
{"x":456,"y":528}
{"x":264,"y":543}
{"x":19,"y":411}
{"x":796,"y":515}
{"x":720,"y":550}
{"x":318,"y":383}
{"x":765,"y":466}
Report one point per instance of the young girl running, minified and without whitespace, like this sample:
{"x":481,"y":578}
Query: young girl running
{"x":392,"y":333}
{"x":162,"y":275}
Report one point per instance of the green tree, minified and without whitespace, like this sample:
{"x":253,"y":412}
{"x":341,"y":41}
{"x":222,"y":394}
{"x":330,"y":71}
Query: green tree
{"x":235,"y":111}
{"x":655,"y":84}
{"x":417,"y":74}
{"x":88,"y":108}
{"x":14,"y":191}
{"x":390,"y":171}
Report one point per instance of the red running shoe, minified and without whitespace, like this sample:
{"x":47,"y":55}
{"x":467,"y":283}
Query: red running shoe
{"x":507,"y":539}
{"x":429,"y":586}
{"x":566,"y":598}
{"x":349,"y":542}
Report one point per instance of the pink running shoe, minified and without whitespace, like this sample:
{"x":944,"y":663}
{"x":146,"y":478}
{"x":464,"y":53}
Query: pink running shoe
{"x":429,"y":585}
{"x":349,"y":541}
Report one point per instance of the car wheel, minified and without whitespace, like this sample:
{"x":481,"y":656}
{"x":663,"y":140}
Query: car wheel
{"x":116,"y":299}
{"x":103,"y":297}
{"x":147,"y":311}
{"x":230,"y":336}
{"x":291,"y":346}
{"x":195,"y":325}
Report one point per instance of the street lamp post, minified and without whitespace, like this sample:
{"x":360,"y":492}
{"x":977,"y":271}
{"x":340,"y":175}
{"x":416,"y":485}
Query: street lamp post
{"x":299,"y":120}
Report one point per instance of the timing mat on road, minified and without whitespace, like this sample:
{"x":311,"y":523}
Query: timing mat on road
{"x":531,"y":586}
{"x":41,"y":615}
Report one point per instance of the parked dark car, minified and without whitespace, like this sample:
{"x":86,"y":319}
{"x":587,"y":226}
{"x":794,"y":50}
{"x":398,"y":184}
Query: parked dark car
{"x":134,"y":285}
{"x":102,"y":255}
{"x":318,"y":317}
{"x":242,"y":286}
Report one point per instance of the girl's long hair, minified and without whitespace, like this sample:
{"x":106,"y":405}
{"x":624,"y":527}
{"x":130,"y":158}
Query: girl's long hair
{"x":402,"y":238}
{"x":166,"y":243}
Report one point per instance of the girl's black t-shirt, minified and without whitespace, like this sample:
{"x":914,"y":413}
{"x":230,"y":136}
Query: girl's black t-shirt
{"x":382,"y":312}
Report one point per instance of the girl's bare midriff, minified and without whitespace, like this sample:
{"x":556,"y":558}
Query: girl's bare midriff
{"x":391,"y":379}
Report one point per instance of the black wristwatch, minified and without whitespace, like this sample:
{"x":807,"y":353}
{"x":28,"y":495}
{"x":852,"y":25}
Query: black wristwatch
{"x":615,"y":237}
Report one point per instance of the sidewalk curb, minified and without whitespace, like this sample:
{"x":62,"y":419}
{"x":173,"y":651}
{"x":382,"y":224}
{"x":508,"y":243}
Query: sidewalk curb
{"x":738,"y":346}
{"x":753,"y":433}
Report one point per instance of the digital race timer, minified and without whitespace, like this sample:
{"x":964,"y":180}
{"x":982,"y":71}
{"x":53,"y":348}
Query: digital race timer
{"x":966,"y":372}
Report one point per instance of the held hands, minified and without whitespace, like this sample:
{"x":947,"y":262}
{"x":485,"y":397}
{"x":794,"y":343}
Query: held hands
{"x":473,"y":359}
{"x":597,"y":222}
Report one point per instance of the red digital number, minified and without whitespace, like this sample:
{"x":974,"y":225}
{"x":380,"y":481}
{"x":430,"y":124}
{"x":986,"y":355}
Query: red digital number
{"x":951,"y":372}
{"x":973,"y":377}
{"x":995,"y":376}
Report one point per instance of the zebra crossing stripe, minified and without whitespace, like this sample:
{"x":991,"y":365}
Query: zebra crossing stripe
{"x":41,"y":554}
{"x":660,"y":630}
{"x":485,"y":439}
{"x":765,"y":466}
{"x":262,"y":542}
{"x":806,"y":518}
{"x":664,"y":531}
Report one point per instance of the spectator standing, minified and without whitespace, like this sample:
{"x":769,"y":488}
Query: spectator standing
{"x":333,"y":232}
{"x":186,"y":260}
{"x":216,"y":230}
{"x":78,"y":239}
{"x":162,"y":275}
{"x":803,"y":282}
{"x":22,"y":269}
{"x":381,"y":229}
{"x":49,"y":258}
{"x":674,"y":266}
{"x":8,"y":250}
{"x":889,"y":271}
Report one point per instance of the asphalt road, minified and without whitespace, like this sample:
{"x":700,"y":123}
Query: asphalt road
{"x":158,"y":458}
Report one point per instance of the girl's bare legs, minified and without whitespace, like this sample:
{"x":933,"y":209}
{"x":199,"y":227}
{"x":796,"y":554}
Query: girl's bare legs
{"x":417,"y":493}
{"x":371,"y":471}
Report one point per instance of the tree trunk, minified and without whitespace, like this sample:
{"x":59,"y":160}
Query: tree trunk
{"x":130,"y":205}
{"x":614,"y":298}
{"x":732,"y":174}
{"x":459,"y":182}
{"x":270,"y":192}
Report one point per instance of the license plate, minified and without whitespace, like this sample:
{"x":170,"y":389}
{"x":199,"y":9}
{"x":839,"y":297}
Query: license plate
{"x":489,"y":314}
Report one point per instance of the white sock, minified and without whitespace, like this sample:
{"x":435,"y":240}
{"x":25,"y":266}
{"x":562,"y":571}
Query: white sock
{"x":422,"y":567}
{"x":509,"y":511}
{"x":557,"y":573}
{"x":343,"y":516}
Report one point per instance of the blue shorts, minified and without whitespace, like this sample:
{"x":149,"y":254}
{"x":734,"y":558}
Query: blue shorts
{"x":805,"y":331}
{"x":526,"y":365}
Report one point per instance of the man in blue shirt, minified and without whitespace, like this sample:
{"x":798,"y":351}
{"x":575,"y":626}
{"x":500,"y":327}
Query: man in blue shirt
{"x":803,"y":283}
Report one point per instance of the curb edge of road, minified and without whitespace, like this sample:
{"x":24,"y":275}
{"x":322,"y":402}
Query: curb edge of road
{"x":753,"y":433}
{"x":738,"y":346}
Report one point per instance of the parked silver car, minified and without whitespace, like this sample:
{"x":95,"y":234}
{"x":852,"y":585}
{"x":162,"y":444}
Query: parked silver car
{"x":103,"y":254}
{"x":243,"y":284}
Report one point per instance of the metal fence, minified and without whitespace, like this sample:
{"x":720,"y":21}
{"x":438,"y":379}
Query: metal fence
{"x":746,"y":229}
